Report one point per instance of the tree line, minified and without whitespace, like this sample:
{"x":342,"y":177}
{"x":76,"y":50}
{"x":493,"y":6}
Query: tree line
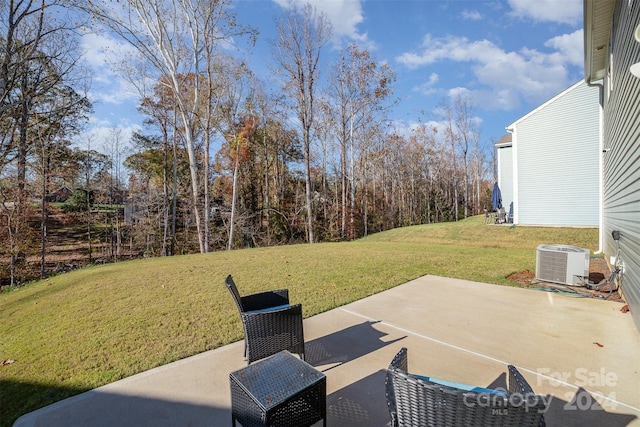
{"x":222,"y":161}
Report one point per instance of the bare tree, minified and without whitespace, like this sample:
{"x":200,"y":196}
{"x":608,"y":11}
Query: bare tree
{"x":479,"y":170}
{"x":468,"y":139}
{"x":38,"y":56}
{"x":452,"y":140}
{"x":324,"y":129}
{"x":90,"y":161}
{"x":234,"y":83}
{"x":358,"y":88}
{"x":160,"y":110}
{"x":117,"y":147}
{"x":177,"y":39}
{"x":302,"y":34}
{"x":57,"y":119}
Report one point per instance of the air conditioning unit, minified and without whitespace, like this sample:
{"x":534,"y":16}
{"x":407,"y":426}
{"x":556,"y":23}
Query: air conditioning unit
{"x":564,"y":264}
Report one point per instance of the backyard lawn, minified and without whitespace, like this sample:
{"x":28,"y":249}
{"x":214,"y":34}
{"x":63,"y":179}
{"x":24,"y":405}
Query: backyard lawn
{"x":89,"y":327}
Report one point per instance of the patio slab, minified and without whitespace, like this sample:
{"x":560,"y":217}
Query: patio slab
{"x":584,"y":354}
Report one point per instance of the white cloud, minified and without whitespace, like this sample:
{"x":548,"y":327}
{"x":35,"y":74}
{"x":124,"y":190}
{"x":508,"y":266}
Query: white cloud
{"x":570,"y":46}
{"x":502,"y":79}
{"x":558,"y":11}
{"x":101,"y":133}
{"x":96,"y":121}
{"x":101,"y":50}
{"x":101,"y":53}
{"x":103,"y":137}
{"x":453,"y":48}
{"x":459,"y":92}
{"x":405,"y":129}
{"x":471,"y":15}
{"x":438,"y":123}
{"x":344,"y":15}
{"x":427,"y":87}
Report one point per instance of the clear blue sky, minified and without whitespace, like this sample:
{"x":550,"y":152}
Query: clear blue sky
{"x":508,"y":56}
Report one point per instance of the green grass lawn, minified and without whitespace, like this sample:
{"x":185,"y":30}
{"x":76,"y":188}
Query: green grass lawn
{"x":80,"y":330}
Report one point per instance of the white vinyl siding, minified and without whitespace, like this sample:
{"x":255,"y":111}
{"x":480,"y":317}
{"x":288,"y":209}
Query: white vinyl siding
{"x":621,"y":162}
{"x":557,"y":148}
{"x":505,"y":177}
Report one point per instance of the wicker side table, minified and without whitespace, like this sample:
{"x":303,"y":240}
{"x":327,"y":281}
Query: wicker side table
{"x":281,"y":390}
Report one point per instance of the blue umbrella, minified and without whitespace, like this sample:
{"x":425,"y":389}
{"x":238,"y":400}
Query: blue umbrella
{"x":496,"y":197}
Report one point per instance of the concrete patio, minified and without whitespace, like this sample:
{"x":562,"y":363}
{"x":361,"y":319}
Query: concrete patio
{"x":583,"y":353}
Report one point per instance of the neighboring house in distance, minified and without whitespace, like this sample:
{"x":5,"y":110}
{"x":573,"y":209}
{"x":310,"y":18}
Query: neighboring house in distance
{"x":62,"y":194}
{"x":549,"y":172}
{"x":610,"y":49}
{"x":504,"y":151}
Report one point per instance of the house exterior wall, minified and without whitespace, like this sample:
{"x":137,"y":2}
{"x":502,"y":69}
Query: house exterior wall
{"x":621,"y":161}
{"x":556,"y":160}
{"x":505,"y":177}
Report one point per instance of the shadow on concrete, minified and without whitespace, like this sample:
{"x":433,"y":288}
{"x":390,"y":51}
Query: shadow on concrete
{"x":363,"y":403}
{"x":583,"y":410}
{"x":346,"y":345}
{"x":360,"y":404}
{"x":97,"y":408}
{"x":17,"y":398}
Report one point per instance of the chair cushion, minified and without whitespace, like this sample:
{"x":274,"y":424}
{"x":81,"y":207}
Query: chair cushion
{"x":464,"y":387}
{"x":278,"y":307}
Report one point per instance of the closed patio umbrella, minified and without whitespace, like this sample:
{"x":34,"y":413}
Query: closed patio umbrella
{"x":496,"y":197}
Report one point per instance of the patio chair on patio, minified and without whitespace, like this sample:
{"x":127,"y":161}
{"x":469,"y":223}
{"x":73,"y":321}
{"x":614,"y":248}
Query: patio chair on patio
{"x":488,"y":217}
{"x":415,"y":400}
{"x":270,"y":323}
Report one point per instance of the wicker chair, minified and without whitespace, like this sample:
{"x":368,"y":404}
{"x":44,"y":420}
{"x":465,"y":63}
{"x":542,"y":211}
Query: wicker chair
{"x":270,"y":323}
{"x":416,"y":401}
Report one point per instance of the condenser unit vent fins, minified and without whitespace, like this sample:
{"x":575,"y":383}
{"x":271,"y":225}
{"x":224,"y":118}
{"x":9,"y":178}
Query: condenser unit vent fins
{"x":564,"y":264}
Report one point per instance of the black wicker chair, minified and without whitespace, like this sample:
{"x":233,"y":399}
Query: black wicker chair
{"x":415,"y":401}
{"x":270,"y":323}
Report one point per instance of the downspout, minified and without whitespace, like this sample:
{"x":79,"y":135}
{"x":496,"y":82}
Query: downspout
{"x":601,"y":151}
{"x":589,"y":13}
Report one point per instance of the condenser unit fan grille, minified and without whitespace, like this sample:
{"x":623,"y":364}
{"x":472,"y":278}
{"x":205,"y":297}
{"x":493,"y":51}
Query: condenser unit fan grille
{"x":552,"y":266}
{"x":562,"y":264}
